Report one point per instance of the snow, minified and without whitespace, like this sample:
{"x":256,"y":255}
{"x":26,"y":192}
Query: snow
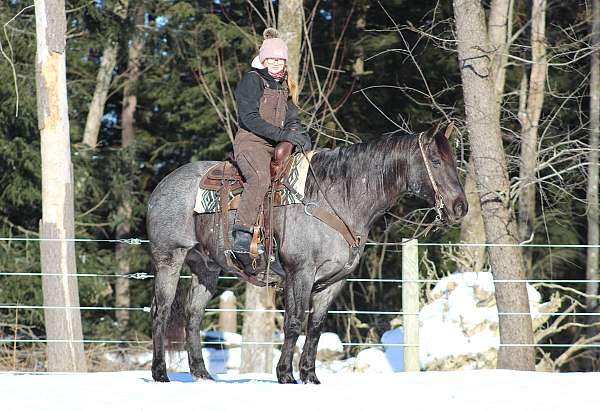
{"x":464,"y":390}
{"x":327,"y":342}
{"x":462,"y":319}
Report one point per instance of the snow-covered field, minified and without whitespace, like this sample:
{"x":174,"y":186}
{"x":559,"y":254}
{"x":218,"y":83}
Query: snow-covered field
{"x":459,"y":322}
{"x":459,"y":390}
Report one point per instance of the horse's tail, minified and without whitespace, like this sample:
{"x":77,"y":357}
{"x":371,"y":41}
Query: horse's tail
{"x":175,"y":335}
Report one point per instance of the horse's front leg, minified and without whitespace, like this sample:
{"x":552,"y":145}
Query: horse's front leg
{"x":298,"y":287}
{"x":320,"y":303}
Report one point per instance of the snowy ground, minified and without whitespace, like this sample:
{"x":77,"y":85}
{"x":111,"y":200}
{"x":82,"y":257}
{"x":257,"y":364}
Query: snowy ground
{"x":459,"y":390}
{"x":460,"y":320}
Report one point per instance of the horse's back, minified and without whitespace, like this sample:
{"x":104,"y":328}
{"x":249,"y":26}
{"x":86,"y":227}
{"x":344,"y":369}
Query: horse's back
{"x":170,"y":211}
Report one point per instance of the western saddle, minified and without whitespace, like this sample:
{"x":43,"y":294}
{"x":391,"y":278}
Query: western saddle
{"x":226,"y":178}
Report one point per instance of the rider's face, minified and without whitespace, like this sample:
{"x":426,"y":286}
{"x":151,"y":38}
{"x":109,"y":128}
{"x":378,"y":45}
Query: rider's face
{"x":274,"y":65}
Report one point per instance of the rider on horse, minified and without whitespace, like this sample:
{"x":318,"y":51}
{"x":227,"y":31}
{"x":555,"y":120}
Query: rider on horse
{"x":267,"y":115}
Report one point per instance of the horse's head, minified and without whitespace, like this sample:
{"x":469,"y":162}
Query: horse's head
{"x":435,"y":177}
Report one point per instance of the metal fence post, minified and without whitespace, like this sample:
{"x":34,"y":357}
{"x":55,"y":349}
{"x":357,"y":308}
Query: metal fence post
{"x":410,"y":303}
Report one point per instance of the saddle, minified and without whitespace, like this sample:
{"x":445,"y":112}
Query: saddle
{"x":229,"y":174}
{"x":226,"y":178}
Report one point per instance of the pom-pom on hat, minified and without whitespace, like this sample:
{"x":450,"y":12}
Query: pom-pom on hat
{"x":272,"y":47}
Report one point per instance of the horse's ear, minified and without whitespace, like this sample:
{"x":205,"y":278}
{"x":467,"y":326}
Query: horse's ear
{"x":432,"y":132}
{"x":449,"y":130}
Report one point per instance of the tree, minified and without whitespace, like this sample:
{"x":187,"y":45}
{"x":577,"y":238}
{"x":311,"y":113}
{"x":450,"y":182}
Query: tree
{"x":124,"y":211}
{"x":493,"y":185}
{"x":529,"y":117}
{"x":103,"y":80}
{"x":472,"y":258}
{"x":289,"y":24}
{"x":57,"y":256}
{"x":593,"y":237}
{"x":260,"y":326}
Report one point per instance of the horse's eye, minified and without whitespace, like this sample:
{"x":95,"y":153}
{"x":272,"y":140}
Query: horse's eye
{"x":436,"y":163}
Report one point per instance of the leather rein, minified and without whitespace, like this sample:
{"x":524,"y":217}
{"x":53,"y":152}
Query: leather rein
{"x":335,"y":221}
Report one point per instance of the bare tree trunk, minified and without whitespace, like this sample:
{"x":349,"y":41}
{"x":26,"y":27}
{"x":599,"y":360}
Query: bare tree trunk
{"x":124,"y":211}
{"x":529,"y":126}
{"x":228,"y":319}
{"x":57,"y":191}
{"x":103,"y":79}
{"x":492,"y":181}
{"x":593,"y":180}
{"x":290,"y":22}
{"x":472,"y":258}
{"x":500,"y":32}
{"x":258,"y":327}
{"x":472,"y":231}
{"x":94,"y":117}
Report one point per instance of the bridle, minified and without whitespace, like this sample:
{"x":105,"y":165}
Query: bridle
{"x":335,"y":220}
{"x":439,"y":198}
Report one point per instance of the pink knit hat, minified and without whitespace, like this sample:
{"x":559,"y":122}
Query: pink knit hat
{"x":272,"y":47}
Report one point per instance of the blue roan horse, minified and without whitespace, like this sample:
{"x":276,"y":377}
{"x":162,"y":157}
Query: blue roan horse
{"x":360,"y":182}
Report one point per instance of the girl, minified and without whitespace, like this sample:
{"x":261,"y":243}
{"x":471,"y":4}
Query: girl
{"x":267,"y":115}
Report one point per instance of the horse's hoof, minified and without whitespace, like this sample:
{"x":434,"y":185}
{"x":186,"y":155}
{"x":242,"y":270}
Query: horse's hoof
{"x":160,"y":377}
{"x":202,"y":375}
{"x":310,"y":378}
{"x":286,"y":379}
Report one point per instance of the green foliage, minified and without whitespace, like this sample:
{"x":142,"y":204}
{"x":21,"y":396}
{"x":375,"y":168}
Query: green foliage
{"x":176,"y":123}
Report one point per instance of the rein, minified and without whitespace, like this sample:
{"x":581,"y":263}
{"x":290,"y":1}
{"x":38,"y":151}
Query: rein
{"x":335,"y":221}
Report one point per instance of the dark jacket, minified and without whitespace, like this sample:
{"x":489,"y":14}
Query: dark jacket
{"x":247,"y":98}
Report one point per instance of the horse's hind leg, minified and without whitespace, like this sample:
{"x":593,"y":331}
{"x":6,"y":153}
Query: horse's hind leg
{"x":167,"y":266}
{"x":320,"y":303}
{"x":204,"y":284}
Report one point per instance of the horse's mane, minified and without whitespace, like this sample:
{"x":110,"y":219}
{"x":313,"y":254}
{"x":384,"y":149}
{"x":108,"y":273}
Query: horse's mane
{"x":371,"y":167}
{"x":378,"y":162}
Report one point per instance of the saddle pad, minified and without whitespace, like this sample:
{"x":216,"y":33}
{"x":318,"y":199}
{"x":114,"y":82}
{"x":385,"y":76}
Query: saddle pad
{"x":207,"y":201}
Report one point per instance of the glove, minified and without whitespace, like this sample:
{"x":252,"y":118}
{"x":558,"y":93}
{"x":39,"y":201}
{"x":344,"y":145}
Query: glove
{"x":298,"y":138}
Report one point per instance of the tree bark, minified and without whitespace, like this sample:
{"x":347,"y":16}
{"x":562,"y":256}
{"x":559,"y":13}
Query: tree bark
{"x":493,"y":185}
{"x":472,"y":258}
{"x":290,"y":22}
{"x":228,"y":319}
{"x":124,"y":212}
{"x":57,"y":192}
{"x":472,"y":231}
{"x":593,"y":237}
{"x":500,"y":32}
{"x":103,"y":79}
{"x":258,"y":327}
{"x":529,"y":119}
{"x":94,"y":117}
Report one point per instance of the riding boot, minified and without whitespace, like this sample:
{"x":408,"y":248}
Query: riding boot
{"x":275,"y":266}
{"x":242,"y":238}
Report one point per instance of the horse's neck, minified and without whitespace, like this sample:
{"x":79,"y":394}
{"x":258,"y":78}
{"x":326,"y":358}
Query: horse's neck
{"x":367,"y":202}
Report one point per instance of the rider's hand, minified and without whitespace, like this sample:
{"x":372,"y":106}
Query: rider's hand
{"x":298,"y":138}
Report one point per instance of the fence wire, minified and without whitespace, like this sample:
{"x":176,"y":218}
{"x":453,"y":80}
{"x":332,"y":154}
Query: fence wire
{"x":144,"y":275}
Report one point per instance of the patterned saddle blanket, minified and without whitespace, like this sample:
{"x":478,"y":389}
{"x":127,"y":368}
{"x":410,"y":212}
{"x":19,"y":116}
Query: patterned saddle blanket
{"x":208,"y":195}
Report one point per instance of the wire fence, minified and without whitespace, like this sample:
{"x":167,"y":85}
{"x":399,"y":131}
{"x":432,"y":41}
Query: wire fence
{"x":399,"y":281}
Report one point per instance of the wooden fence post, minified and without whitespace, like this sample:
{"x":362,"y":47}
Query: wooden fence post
{"x":228,"y":319}
{"x":410,"y":303}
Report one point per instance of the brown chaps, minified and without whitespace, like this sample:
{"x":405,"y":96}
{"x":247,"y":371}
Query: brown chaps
{"x":253,"y":156}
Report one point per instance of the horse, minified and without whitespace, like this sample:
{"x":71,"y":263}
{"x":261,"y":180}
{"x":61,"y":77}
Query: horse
{"x":358,"y":183}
